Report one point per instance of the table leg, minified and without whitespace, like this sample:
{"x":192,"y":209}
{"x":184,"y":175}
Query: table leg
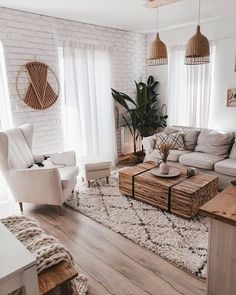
{"x":31,"y":281}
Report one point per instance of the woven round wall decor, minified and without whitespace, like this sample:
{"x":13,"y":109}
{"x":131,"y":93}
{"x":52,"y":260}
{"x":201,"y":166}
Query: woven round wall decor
{"x":37,"y":85}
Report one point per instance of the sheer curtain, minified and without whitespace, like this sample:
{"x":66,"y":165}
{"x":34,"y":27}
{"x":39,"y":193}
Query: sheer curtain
{"x":189,"y":90}
{"x":5,"y":108}
{"x":5,"y":116}
{"x":88,"y":106}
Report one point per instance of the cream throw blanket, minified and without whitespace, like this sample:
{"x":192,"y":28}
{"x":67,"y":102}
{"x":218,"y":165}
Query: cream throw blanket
{"x":46,"y":249}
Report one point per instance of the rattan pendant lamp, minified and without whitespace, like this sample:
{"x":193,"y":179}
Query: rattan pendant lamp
{"x":197,"y":51}
{"x":157,"y":52}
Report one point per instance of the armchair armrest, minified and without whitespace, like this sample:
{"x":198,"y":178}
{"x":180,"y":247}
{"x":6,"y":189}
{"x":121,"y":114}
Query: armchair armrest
{"x":36,"y":185}
{"x":64,"y":158}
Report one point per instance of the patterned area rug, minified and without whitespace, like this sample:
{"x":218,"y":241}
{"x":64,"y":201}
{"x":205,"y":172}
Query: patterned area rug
{"x":178,"y":240}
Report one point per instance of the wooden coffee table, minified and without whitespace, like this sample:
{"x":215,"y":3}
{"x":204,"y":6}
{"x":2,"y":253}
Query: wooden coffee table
{"x":180,"y":195}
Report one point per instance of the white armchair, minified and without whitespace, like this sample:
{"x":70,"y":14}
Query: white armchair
{"x":41,"y":185}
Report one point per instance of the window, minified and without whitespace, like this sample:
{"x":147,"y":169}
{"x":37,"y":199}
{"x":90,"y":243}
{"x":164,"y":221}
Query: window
{"x":189,"y":90}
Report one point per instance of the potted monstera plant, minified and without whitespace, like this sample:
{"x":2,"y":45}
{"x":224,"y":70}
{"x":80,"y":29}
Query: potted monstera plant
{"x":144,"y":114}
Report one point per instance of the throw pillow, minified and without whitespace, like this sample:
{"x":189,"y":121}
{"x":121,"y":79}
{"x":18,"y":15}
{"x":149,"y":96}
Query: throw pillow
{"x":174,"y":139}
{"x":190,"y":137}
{"x":215,"y":142}
{"x":170,"y":130}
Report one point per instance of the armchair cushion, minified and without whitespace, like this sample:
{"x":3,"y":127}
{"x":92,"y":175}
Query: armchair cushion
{"x":19,"y":152}
{"x":65,"y":158}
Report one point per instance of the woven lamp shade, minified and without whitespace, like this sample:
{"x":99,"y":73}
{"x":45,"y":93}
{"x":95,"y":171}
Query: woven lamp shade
{"x":157,"y":53}
{"x":197,"y":51}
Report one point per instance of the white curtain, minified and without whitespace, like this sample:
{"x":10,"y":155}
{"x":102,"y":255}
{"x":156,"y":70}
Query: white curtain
{"x":189,"y":90}
{"x":5,"y":116}
{"x":89,"y":127}
{"x":5,"y":108}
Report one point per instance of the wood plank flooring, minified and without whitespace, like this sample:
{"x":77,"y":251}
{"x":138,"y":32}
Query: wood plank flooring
{"x":113,"y":264}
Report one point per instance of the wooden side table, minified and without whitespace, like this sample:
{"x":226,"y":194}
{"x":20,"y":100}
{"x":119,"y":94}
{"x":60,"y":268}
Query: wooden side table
{"x":221,"y":277}
{"x":18,"y":266}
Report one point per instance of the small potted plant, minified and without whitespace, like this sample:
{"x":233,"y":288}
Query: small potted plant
{"x":164,"y":150}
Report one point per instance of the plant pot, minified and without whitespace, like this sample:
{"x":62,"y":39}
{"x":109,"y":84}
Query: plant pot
{"x":136,"y":158}
{"x":164,"y":168}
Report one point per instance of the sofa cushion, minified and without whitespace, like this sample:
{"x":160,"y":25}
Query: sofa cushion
{"x":175,"y":140}
{"x":217,"y":143}
{"x":173,"y":156}
{"x":227,"y":167}
{"x":19,"y":151}
{"x":232,"y":154}
{"x":67,"y":174}
{"x":200,"y":160}
{"x":190,"y":137}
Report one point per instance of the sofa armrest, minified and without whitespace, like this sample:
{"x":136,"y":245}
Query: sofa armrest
{"x":64,"y":158}
{"x":148,"y":144}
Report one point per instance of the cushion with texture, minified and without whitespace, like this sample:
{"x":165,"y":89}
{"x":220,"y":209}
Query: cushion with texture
{"x":227,"y":167}
{"x":170,"y":130}
{"x":175,"y":140}
{"x":217,"y":143}
{"x":190,"y":136}
{"x":200,"y":160}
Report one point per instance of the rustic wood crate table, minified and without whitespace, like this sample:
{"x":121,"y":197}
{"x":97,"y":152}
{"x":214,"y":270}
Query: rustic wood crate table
{"x":126,"y":177}
{"x":180,"y":195}
{"x":156,"y":190}
{"x":189,"y":195}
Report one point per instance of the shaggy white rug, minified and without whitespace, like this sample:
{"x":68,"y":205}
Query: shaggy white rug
{"x":176,"y":239}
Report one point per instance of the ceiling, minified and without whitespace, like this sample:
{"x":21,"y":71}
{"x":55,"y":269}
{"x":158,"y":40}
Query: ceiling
{"x":129,"y":15}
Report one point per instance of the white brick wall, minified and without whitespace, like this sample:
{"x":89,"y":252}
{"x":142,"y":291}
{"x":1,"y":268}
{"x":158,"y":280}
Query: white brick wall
{"x":26,"y":35}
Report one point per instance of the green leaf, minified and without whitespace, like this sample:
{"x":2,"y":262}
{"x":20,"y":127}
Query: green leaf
{"x":128,"y":125}
{"x":150,"y":80}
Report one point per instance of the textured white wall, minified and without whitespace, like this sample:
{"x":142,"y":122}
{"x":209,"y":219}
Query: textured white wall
{"x":26,"y":35}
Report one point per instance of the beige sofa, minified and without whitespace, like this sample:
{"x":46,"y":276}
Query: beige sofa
{"x":209,"y":151}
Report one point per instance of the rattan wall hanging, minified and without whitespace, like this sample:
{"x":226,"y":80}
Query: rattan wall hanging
{"x":37,"y":85}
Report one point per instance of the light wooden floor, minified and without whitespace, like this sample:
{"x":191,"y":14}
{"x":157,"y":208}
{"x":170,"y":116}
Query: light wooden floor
{"x":113,"y":264}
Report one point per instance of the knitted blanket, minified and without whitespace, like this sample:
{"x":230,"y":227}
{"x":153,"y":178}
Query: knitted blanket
{"x":47,"y":250}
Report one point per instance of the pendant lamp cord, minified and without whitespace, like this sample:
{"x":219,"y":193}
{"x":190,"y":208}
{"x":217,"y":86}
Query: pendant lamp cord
{"x":199,"y":12}
{"x":157,"y":18}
